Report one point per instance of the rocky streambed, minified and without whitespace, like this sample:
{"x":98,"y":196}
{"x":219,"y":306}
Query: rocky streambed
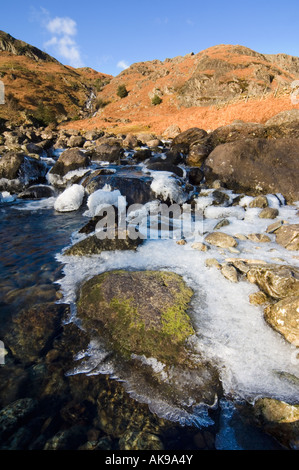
{"x":149,"y":290}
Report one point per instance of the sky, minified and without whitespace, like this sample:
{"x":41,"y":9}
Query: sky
{"x":110,"y":35}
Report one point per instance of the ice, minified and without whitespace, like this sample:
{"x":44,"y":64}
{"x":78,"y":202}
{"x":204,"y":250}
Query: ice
{"x":230,"y":332}
{"x":57,"y":180}
{"x":103,"y":198}
{"x":71,"y":199}
{"x":5,"y":196}
{"x":167,"y":186}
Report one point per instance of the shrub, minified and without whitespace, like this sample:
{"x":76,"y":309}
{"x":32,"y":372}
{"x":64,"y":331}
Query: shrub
{"x":156,"y":100}
{"x":100,"y":103}
{"x":122,"y":91}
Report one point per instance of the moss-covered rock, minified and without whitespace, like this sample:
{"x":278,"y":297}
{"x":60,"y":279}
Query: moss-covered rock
{"x":141,"y":312}
{"x":93,"y":245}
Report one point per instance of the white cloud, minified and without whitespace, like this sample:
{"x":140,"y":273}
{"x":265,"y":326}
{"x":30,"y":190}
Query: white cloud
{"x":64,"y":26}
{"x":63,"y":32}
{"x":122,"y":64}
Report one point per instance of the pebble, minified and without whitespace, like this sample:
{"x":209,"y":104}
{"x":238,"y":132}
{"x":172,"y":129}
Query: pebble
{"x":199,"y":246}
{"x":213,"y":263}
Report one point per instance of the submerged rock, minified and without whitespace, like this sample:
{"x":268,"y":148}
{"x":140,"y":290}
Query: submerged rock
{"x":279,"y":419}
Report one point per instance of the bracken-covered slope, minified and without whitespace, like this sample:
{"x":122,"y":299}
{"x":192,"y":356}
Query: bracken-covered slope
{"x":38,"y":86}
{"x":208,"y":89}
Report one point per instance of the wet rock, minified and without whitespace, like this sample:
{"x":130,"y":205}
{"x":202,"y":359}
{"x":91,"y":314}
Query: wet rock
{"x":131,"y":440}
{"x":33,"y":330}
{"x":195,"y":176}
{"x":269,"y":213}
{"x":69,"y":160}
{"x":15,"y":415}
{"x":283,"y":316}
{"x":279,"y":419}
{"x":134,"y":186}
{"x":142,"y":155}
{"x":92,"y":245}
{"x":256,"y":166}
{"x":70,"y":439}
{"x":221,"y":240}
{"x":277,"y":281}
{"x":21,"y":170}
{"x":146,"y":306}
{"x":161,"y":166}
{"x":288,"y":236}
{"x":37,"y":192}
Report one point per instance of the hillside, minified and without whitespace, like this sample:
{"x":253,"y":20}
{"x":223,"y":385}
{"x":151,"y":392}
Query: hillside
{"x":208,"y":89}
{"x":38,"y":86}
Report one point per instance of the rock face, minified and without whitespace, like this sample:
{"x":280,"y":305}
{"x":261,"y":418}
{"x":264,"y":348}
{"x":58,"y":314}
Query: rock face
{"x":256,"y":166}
{"x":142,"y":312}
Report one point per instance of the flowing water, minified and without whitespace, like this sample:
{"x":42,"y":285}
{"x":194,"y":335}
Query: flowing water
{"x":230,"y":331}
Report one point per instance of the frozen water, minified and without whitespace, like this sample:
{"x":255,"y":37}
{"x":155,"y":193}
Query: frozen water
{"x":70,"y":200}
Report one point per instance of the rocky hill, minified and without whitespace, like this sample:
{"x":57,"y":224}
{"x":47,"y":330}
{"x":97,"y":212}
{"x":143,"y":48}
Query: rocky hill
{"x":208,"y":89}
{"x":39,"y":88}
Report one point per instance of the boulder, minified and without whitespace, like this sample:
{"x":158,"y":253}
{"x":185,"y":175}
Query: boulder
{"x":109,"y":150}
{"x":236,"y":131}
{"x":279,"y":419}
{"x":269,"y":213}
{"x":188,"y":138}
{"x":283,"y":317}
{"x":33,"y":330}
{"x":76,"y":141}
{"x":39,"y":191}
{"x":69,"y":160}
{"x":288,"y":236}
{"x":142,"y":312}
{"x":164,"y":166}
{"x":284,"y":124}
{"x":256,"y":166}
{"x":21,"y":170}
{"x":277,"y":281}
{"x":93,"y":245}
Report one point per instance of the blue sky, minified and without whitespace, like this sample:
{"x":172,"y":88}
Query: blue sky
{"x":111,"y":35}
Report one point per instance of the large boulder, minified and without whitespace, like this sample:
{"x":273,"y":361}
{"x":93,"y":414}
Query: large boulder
{"x":142,"y":312}
{"x":142,"y":317}
{"x":283,"y":124}
{"x":236,"y":131}
{"x":18,"y":171}
{"x":185,"y":140}
{"x":256,"y":166}
{"x":69,"y":160}
{"x":108,"y":150}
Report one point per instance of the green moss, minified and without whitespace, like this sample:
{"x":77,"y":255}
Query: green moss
{"x":152,"y":320}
